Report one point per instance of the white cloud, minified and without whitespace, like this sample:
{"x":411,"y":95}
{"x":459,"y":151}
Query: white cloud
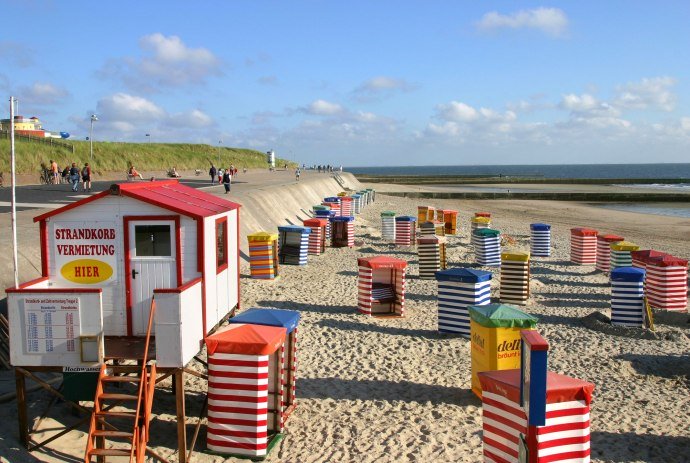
{"x":652,"y":93}
{"x":194,"y":119}
{"x":456,"y":111}
{"x":42,"y":93}
{"x":130,"y":108}
{"x":323,"y":108}
{"x":381,"y":87}
{"x":551,"y":21}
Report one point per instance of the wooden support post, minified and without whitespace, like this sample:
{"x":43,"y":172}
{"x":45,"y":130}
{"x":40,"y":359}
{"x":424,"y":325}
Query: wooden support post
{"x":181,"y":419}
{"x":21,"y":408}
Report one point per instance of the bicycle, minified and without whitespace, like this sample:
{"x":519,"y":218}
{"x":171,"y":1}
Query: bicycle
{"x":46,"y":177}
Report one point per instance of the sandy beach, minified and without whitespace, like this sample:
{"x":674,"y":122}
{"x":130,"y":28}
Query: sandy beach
{"x":393,"y":390}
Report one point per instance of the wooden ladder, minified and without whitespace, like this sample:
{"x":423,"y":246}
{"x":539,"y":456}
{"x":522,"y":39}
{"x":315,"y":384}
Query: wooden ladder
{"x":104,"y":438}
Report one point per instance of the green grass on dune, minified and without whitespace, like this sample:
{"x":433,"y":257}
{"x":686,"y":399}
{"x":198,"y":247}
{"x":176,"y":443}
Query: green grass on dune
{"x":116,"y":156}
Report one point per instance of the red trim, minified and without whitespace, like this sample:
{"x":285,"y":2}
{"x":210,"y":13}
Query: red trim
{"x":43,"y":231}
{"x":54,"y":290}
{"x":179,"y":289}
{"x":27,"y":284}
{"x":224,"y":265}
{"x":128,"y":266}
{"x":68,"y":207}
{"x":200,"y":245}
{"x":237,"y":269}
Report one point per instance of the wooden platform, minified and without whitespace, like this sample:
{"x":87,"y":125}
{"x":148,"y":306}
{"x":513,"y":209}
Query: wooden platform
{"x":127,"y":347}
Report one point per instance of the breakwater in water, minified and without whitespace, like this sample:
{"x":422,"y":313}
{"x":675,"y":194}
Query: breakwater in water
{"x":550,"y":196}
{"x":471,"y":179}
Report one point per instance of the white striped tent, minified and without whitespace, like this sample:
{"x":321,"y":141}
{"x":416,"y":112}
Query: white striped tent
{"x":487,"y":247}
{"x":621,"y":254}
{"x":245,"y":376}
{"x":317,"y":236}
{"x":540,"y":239}
{"x":288,"y":319}
{"x":326,"y":215}
{"x":604,"y":243}
{"x":640,"y":258}
{"x":381,"y":286}
{"x":343,"y":232}
{"x":356,"y":204}
{"x":627,"y":296}
{"x":514,"y":283}
{"x":583,"y":246}
{"x":431,"y":252}
{"x":565,"y":435}
{"x":388,"y":225}
{"x":405,"y":231}
{"x":372,"y":195}
{"x":666,"y":283}
{"x":427,"y":229}
{"x":293,"y":244}
{"x":480,"y":222}
{"x":459,"y":288}
{"x":346,"y":207}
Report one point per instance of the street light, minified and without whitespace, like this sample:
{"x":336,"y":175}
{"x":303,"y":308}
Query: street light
{"x":93,"y":118}
{"x":148,"y":135}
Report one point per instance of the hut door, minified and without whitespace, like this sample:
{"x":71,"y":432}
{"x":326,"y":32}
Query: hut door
{"x":152,"y":265}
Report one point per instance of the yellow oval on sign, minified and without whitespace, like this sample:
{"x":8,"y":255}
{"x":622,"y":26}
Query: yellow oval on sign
{"x":86,"y":271}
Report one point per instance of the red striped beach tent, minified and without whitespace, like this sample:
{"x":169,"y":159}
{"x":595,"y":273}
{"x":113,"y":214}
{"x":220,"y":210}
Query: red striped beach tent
{"x":405,"y":231}
{"x":293,"y":244}
{"x":317,"y":236}
{"x":326,"y":215}
{"x":263,"y":255}
{"x":288,"y":319}
{"x":381,"y":286}
{"x":509,"y":434}
{"x":245,"y":372}
{"x":666,"y":283}
{"x":334,"y":202}
{"x":343,"y":232}
{"x":346,"y":206}
{"x":604,"y":243}
{"x":583,"y":246}
{"x":641,"y":257}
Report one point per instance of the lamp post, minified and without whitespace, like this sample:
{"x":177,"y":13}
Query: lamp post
{"x":93,"y":119}
{"x":148,"y":136}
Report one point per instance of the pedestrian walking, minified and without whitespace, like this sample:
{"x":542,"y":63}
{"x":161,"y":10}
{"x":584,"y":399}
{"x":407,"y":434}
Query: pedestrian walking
{"x":74,"y":176}
{"x":55,"y":172}
{"x":213,"y":172}
{"x":297,"y":174}
{"x":227,"y":180}
{"x":86,"y":177}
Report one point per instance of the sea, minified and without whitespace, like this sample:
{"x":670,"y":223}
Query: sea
{"x":657,"y":172}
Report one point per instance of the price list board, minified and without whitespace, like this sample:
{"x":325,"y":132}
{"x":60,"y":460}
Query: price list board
{"x":52,"y":324}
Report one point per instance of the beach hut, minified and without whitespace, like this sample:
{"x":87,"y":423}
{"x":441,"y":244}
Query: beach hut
{"x":495,"y":338}
{"x":640,"y":258}
{"x":431,"y":251}
{"x":583,"y":246}
{"x":540,"y":239}
{"x":534,"y":415}
{"x":666,"y":284}
{"x":459,"y":288}
{"x":604,"y":243}
{"x":427,"y":229}
{"x":372,"y":194}
{"x":346,"y":208}
{"x":263,"y":255}
{"x":388,"y":225}
{"x":487,"y":247}
{"x":245,"y":372}
{"x":514,"y":277}
{"x":381,"y":286}
{"x":425,"y":214}
{"x":405,"y":231}
{"x":288,"y":319}
{"x":483,"y":214}
{"x":480,"y":222}
{"x":293,"y":244}
{"x":365,"y":198}
{"x":335,"y":203}
{"x":621,"y":254}
{"x":326,"y":215}
{"x":356,"y":204}
{"x":319,"y":207}
{"x":450,"y":221}
{"x":317,"y":236}
{"x":627,"y":296}
{"x":343,"y":232}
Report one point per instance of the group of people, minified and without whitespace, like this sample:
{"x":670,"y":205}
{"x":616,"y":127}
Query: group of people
{"x":327,"y":168}
{"x":223,"y":176}
{"x":72,"y":174}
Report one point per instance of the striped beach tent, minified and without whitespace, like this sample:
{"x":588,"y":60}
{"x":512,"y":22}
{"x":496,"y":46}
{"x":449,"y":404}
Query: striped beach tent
{"x":480,"y":222}
{"x":388,"y":225}
{"x":604,"y":243}
{"x":564,"y":436}
{"x":263,"y":255}
{"x":317,"y":236}
{"x":621,"y":254}
{"x":450,"y":221}
{"x":245,"y":372}
{"x":343,"y":232}
{"x":627,"y":296}
{"x":487,"y":247}
{"x":583,"y":246}
{"x":640,"y":258}
{"x":326,"y":215}
{"x":293,"y":244}
{"x":666,"y":283}
{"x":540,"y":239}
{"x":288,"y":319}
{"x":346,"y":206}
{"x":381,"y":286}
{"x":459,"y":288}
{"x":515,"y":275}
{"x":405,"y":231}
{"x":431,"y":252}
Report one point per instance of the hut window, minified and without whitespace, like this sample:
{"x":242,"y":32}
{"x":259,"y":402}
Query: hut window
{"x":153,"y":240}
{"x":221,"y":243}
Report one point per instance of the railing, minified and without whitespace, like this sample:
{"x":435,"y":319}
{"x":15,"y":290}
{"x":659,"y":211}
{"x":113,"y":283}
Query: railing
{"x":45,"y":141}
{"x":140,"y":434}
{"x":96,"y":410}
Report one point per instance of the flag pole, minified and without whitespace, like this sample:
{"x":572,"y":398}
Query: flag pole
{"x":14,"y":197}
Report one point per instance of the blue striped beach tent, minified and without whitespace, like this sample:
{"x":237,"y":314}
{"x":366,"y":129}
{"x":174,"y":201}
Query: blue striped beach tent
{"x":459,"y":288}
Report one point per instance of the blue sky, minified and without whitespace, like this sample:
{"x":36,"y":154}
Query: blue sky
{"x":363,"y":82}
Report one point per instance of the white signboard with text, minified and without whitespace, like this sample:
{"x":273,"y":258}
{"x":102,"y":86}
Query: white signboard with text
{"x":52,"y":324}
{"x":85,"y":252}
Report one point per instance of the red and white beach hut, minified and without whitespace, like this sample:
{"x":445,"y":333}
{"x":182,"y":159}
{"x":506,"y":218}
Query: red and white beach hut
{"x":666,"y":283}
{"x":381,"y":286}
{"x":245,"y":377}
{"x":317,"y":236}
{"x":640,"y":258}
{"x":346,"y":206}
{"x":583,"y":246}
{"x":108,"y":254}
{"x":604,"y":243}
